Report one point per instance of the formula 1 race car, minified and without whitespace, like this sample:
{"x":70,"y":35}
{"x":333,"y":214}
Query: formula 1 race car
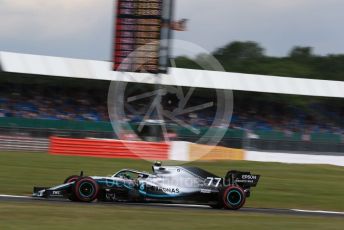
{"x":166,"y":184}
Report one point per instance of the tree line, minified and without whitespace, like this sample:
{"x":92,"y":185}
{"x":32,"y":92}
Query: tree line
{"x":250,"y":57}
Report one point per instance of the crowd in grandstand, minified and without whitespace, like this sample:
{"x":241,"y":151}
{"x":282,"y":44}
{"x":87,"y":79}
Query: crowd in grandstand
{"x":52,"y":103}
{"x":57,"y":103}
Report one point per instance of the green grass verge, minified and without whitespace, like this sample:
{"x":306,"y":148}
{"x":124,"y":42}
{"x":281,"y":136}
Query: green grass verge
{"x":281,"y":185}
{"x":77,"y":216}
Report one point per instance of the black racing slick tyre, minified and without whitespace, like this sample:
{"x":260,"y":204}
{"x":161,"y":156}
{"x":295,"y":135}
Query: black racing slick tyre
{"x":85,"y":189}
{"x":72,"y":178}
{"x":233,"y":197}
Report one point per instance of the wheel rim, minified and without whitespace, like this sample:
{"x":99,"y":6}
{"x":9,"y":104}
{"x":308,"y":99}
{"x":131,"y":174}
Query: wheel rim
{"x":86,"y":189}
{"x":234,"y":197}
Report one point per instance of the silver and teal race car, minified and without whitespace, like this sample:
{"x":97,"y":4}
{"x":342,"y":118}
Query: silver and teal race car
{"x":165,"y":184}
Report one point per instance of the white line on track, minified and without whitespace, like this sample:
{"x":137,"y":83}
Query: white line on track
{"x":318,"y":211}
{"x":197,"y":206}
{"x":13,"y":196}
{"x":181,"y":205}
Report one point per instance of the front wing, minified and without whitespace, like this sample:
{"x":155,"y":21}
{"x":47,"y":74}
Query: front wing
{"x":60,"y":191}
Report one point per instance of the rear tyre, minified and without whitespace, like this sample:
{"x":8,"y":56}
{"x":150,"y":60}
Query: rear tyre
{"x":85,"y":189}
{"x":233,"y":197}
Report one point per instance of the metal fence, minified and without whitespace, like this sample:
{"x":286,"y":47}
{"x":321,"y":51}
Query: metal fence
{"x":37,"y":140}
{"x":46,"y":133}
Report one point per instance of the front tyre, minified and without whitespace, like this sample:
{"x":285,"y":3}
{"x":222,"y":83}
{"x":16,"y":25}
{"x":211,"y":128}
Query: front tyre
{"x":70,"y":179}
{"x":86,"y":189}
{"x":233,"y":197}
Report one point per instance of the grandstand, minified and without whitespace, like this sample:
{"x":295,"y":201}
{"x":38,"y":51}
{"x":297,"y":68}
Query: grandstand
{"x":43,"y":96}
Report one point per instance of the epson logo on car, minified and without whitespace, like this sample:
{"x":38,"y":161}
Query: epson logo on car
{"x":56,"y":193}
{"x":248,"y":177}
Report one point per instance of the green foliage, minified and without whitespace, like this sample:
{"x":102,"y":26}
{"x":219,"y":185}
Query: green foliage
{"x":249,"y":57}
{"x":301,"y":52}
{"x":240,"y":50}
{"x":186,"y":62}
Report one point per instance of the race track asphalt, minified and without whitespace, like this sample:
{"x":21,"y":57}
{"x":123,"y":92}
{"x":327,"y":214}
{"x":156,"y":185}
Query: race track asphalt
{"x":294,"y":212}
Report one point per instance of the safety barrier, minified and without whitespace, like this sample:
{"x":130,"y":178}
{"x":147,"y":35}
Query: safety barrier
{"x":205,"y":152}
{"x":22,"y":143}
{"x":105,"y":148}
{"x":186,"y":151}
{"x":180,"y":151}
{"x":108,"y":148}
{"x":294,"y":158}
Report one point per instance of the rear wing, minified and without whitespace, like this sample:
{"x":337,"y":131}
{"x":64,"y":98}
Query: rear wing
{"x":243,"y":179}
